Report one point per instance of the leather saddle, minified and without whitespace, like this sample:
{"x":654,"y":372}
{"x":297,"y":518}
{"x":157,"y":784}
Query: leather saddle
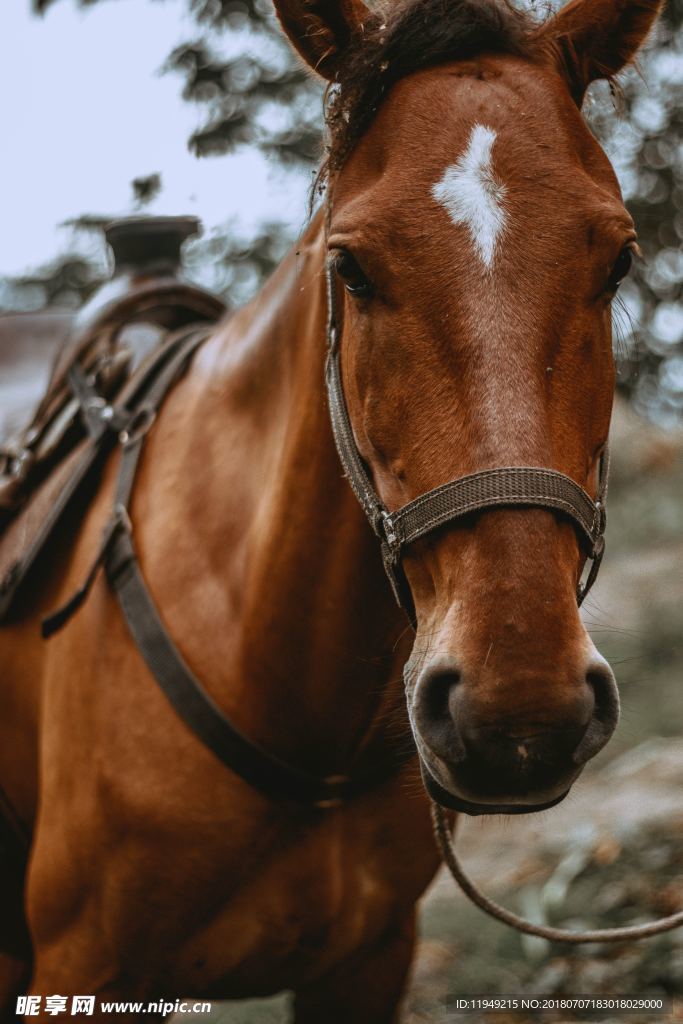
{"x":101,"y":371}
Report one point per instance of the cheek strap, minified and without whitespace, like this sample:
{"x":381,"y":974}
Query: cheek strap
{"x":507,"y":486}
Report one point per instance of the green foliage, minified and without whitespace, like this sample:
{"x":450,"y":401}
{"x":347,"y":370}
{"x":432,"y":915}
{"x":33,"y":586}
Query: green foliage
{"x":65,"y":283}
{"x":146,"y":188}
{"x":260,"y":97}
{"x":234,"y":265}
{"x":253,"y":93}
{"x":645,"y":142}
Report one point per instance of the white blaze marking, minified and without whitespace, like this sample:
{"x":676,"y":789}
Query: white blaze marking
{"x":472,"y":196}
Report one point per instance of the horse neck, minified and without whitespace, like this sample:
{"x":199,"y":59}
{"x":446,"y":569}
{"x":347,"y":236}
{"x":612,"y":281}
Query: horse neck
{"x":320,"y":666}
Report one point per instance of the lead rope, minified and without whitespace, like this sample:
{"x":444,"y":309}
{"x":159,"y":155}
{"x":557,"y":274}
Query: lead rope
{"x":445,"y":842}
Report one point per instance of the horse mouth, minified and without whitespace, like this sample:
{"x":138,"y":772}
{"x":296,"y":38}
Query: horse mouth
{"x":455,"y":803}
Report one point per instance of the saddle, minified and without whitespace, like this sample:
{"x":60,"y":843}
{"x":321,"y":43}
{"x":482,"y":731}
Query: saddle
{"x":116,"y":347}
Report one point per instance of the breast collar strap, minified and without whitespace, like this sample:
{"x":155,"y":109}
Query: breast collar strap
{"x":117,"y":555}
{"x":507,"y":486}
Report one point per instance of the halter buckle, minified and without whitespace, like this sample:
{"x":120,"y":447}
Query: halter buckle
{"x":138,"y":427}
{"x":390,"y":535}
{"x":601,"y":513}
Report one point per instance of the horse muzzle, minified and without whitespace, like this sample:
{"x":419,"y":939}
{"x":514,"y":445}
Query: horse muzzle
{"x":510,"y":747}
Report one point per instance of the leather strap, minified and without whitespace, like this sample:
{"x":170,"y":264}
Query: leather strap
{"x":266,"y":772}
{"x":517,"y":485}
{"x":97,"y":414}
{"x":507,"y":486}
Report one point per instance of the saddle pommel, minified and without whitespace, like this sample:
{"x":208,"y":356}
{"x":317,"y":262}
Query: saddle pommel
{"x":147,"y":244}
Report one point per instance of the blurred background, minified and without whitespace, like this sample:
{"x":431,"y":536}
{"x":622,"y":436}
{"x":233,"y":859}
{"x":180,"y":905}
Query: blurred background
{"x":198,"y":106}
{"x":114,"y":107}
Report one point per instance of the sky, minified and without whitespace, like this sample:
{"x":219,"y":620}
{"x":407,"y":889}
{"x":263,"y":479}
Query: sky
{"x":94,"y":113}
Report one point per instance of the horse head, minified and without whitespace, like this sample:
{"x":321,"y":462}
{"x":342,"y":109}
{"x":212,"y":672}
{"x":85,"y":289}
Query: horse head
{"x":478,"y":237}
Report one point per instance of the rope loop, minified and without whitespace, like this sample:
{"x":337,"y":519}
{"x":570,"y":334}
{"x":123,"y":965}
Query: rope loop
{"x":629,"y":932}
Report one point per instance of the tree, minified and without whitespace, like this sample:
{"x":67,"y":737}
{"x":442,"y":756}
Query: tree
{"x":261,"y":97}
{"x":646,"y":147}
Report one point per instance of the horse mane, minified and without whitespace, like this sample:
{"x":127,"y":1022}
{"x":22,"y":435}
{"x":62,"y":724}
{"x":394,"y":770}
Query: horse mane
{"x":404,"y":37}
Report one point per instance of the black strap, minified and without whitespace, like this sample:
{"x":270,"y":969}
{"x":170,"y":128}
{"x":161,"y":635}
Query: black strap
{"x":354,"y":467}
{"x":507,"y":486}
{"x":264,"y":771}
{"x":257,"y":766}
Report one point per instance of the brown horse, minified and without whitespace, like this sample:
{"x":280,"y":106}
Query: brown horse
{"x":478,"y":237}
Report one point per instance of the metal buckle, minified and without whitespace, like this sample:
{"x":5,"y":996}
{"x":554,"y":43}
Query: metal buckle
{"x":19,"y":463}
{"x":599,"y":521}
{"x":602,"y":516}
{"x":391,"y":537}
{"x":98,"y":412}
{"x":100,"y":407}
{"x":138,"y":426}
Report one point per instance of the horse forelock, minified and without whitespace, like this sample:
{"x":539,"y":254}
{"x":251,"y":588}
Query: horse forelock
{"x":408,"y":37}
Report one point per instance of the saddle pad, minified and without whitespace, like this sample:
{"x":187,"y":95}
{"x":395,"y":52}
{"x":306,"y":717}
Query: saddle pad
{"x":27,"y":534}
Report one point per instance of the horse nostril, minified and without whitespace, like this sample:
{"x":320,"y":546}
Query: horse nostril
{"x":437,"y":695}
{"x":600,"y":679}
{"x":433,"y":708}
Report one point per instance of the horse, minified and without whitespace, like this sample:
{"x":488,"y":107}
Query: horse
{"x":475,"y":237}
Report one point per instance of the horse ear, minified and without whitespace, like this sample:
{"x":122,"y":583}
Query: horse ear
{"x":321,"y":30}
{"x":597,"y":38}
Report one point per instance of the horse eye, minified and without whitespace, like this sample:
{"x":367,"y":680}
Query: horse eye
{"x":355,"y":281}
{"x":620,"y":268}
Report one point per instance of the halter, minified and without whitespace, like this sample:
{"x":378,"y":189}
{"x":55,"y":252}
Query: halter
{"x":509,"y":486}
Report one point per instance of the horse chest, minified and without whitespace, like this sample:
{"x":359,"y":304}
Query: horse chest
{"x":313,"y":901}
{"x":311,"y":898}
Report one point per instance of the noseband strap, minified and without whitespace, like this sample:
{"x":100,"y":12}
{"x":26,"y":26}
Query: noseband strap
{"x":508,"y":486}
